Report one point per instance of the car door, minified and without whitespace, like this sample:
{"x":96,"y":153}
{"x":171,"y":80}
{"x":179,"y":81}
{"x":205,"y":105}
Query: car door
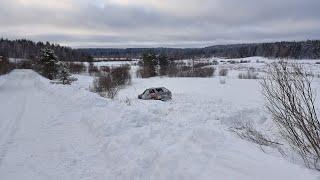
{"x":153,"y":94}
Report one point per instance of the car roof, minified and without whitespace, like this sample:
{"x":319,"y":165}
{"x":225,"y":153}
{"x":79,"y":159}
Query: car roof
{"x":157,"y":88}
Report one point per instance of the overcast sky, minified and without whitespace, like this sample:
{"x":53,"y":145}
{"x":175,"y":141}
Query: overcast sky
{"x":154,"y":23}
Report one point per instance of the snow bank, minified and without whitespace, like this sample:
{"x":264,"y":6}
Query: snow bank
{"x":66,"y":132}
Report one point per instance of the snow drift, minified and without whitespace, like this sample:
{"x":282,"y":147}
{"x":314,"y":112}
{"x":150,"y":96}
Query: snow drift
{"x":60,"y":132}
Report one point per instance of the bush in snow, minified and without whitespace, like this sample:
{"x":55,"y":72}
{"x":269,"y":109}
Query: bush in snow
{"x":25,"y":64}
{"x":203,"y":72}
{"x":201,"y":64}
{"x":128,"y":101}
{"x":246,"y":131}
{"x":76,"y":68}
{"x":223,"y":72}
{"x":222,"y":81}
{"x":187,"y":71}
{"x":105,"y":69}
{"x":105,"y":87}
{"x":108,"y":84}
{"x":250,"y":74}
{"x":173,"y":70}
{"x":92,"y":69}
{"x":144,"y":72}
{"x":5,"y":65}
{"x":291,"y":102}
{"x":47,"y":65}
{"x":121,"y":75}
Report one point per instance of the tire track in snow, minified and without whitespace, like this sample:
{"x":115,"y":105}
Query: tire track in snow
{"x":55,"y":130}
{"x":12,"y":126}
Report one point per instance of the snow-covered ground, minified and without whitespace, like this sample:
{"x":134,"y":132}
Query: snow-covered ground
{"x":66,"y":132}
{"x":115,"y":63}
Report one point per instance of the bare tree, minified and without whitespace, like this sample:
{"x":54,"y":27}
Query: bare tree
{"x":291,"y":102}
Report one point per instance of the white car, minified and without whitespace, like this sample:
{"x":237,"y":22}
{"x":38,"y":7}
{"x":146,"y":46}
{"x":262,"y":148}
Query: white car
{"x":160,"y":93}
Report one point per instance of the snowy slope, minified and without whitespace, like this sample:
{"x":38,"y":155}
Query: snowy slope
{"x":60,"y":132}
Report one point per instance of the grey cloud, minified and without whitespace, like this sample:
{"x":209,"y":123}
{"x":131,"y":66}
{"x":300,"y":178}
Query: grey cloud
{"x":221,"y":21}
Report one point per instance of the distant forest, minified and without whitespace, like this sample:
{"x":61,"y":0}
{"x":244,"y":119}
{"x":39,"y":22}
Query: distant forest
{"x":296,"y":50}
{"x":26,"y":49}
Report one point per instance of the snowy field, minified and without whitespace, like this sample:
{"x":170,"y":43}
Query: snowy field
{"x":66,"y":132}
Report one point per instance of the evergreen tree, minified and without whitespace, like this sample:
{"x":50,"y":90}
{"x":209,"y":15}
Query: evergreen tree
{"x":48,"y":64}
{"x":64,"y":74}
{"x":149,"y":61}
{"x":163,"y":63}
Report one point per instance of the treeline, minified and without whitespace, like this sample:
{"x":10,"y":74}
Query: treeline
{"x":137,"y":53}
{"x":296,"y":50}
{"x":26,"y":49}
{"x":152,"y":65}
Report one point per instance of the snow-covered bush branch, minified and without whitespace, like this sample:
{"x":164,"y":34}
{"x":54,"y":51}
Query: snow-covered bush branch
{"x":291,"y":102}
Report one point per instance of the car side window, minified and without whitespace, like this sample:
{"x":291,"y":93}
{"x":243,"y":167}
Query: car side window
{"x":159,"y":90}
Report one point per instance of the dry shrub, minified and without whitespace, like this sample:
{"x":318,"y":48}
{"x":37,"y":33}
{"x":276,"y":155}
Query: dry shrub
{"x":5,"y":65}
{"x":109,"y":84}
{"x":145,"y":72}
{"x":163,"y":70}
{"x":105,"y":87}
{"x":128,"y":101}
{"x":223,"y":72}
{"x":76,"y":68}
{"x":105,"y":69}
{"x":222,"y":81}
{"x":215,"y":62}
{"x":291,"y":102}
{"x":202,"y":64}
{"x":250,"y":74}
{"x":93,"y":70}
{"x":245,"y":61}
{"x":25,"y":64}
{"x":203,"y":72}
{"x":121,"y":75}
{"x":232,"y":62}
{"x":187,"y":71}
{"x":248,"y":132}
{"x":172,"y":71}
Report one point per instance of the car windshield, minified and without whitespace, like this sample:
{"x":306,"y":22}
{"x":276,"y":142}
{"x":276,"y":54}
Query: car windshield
{"x":145,"y":91}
